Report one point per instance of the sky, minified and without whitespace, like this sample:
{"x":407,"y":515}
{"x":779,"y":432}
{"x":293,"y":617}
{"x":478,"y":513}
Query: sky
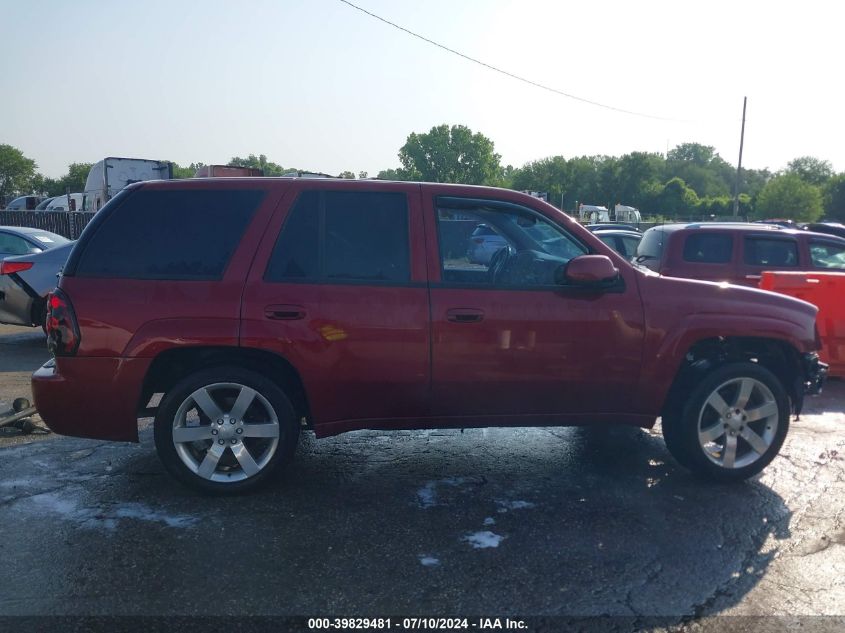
{"x":321,"y":86}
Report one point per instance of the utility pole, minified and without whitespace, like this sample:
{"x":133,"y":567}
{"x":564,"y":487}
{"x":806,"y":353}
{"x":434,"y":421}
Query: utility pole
{"x":739,"y":164}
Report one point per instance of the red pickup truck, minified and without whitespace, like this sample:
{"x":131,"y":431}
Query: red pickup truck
{"x":238,"y":311}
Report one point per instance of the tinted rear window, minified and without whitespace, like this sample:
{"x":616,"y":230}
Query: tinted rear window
{"x":708,"y":248}
{"x":339,"y":235}
{"x":650,"y":249}
{"x":170,"y":234}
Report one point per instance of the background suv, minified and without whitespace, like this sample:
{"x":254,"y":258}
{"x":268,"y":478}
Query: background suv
{"x":735,"y":252}
{"x":257,"y":307}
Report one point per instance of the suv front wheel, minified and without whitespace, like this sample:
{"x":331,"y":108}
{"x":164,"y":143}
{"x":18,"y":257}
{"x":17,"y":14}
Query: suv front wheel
{"x":225,"y":430}
{"x":731,"y":425}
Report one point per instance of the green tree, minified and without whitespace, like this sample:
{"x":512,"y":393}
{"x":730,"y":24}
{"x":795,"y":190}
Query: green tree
{"x":789,"y":196}
{"x":183,"y":172}
{"x":834,"y":198}
{"x":349,"y":175}
{"x":812,"y":170}
{"x":396,"y":174}
{"x":634,"y":176}
{"x":16,"y":172}
{"x":451,"y":154}
{"x":552,"y":175}
{"x":74,"y":180}
{"x":261,"y":162}
{"x":701,"y":168}
{"x":677,"y":199}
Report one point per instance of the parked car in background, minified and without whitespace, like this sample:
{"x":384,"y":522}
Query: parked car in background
{"x":43,"y":204}
{"x":617,"y":226}
{"x":238,"y":311}
{"x":736,"y":252}
{"x":831,"y":228}
{"x":26,"y":281}
{"x":623,"y":242}
{"x":17,"y":240}
{"x":483,"y":244}
{"x":24,"y":203}
{"x":66,"y":202}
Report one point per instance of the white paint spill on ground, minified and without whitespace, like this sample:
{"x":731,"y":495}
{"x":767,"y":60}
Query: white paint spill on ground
{"x":483,"y":540}
{"x":429,"y":561}
{"x":489,"y":521}
{"x":427,"y":495}
{"x":504,"y":506}
{"x":107,"y":517}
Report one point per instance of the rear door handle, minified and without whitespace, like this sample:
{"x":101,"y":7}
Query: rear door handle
{"x":465,"y":315}
{"x":282,"y":312}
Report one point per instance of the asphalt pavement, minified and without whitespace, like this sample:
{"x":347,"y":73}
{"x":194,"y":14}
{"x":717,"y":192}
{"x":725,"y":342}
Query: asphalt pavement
{"x":505,"y":522}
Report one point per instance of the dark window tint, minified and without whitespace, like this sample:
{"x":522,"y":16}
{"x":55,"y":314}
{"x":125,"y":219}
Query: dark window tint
{"x":769,"y":252}
{"x":170,"y":234}
{"x":360,"y":236}
{"x":296,"y":254}
{"x":708,"y":248}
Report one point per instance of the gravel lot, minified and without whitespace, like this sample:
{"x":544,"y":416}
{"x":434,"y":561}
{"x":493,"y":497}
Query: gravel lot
{"x":487,"y":522}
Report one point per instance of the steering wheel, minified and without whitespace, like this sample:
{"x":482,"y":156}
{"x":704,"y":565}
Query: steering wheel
{"x":499,"y":263}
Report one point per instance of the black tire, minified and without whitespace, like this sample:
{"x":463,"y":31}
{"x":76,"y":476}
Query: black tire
{"x":231,"y":477}
{"x":681,"y":423}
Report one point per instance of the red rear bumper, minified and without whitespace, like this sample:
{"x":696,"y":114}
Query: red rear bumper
{"x":91,"y":397}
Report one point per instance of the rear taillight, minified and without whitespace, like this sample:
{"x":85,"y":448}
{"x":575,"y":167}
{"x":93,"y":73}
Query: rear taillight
{"x":62,"y":328}
{"x":7,"y":268}
{"x":478,"y":240}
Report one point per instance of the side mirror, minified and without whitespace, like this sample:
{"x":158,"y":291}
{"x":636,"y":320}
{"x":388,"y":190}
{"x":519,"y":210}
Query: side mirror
{"x":588,"y":270}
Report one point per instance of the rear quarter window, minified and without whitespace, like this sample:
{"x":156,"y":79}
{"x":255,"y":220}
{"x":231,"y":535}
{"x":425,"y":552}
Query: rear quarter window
{"x":170,"y":234}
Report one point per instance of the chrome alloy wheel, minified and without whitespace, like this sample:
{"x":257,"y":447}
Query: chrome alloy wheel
{"x":738,"y":423}
{"x":226,"y":432}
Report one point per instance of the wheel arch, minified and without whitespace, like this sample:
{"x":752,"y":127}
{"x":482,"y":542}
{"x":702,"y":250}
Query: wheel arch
{"x":705,"y":355}
{"x":173,"y":364}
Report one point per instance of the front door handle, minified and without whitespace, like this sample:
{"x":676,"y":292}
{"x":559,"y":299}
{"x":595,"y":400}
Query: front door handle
{"x":281,"y":312}
{"x":465,"y":315}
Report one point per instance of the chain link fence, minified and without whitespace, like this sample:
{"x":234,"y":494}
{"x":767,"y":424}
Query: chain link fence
{"x":69,"y":225}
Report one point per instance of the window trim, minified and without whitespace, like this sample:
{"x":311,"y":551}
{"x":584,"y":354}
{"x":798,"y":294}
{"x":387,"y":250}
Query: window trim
{"x":470,"y":204}
{"x":322,"y":278}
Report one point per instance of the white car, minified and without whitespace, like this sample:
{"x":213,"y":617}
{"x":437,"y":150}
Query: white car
{"x":66,"y":202}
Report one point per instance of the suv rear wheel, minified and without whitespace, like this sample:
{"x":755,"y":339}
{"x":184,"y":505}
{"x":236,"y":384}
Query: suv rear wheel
{"x":225,"y":430}
{"x":731,"y":425}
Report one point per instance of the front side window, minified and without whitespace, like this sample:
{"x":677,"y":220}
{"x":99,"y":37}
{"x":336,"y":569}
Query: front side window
{"x":491,"y":243}
{"x":827,"y":255}
{"x":708,"y":248}
{"x":344,"y":236}
{"x":174,"y":234}
{"x":761,"y":251}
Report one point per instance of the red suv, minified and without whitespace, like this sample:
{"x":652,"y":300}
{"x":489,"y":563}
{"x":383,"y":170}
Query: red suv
{"x":736,"y":252}
{"x":241,"y":311}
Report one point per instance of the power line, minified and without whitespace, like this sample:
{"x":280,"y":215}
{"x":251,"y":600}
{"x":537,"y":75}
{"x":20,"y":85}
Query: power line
{"x":506,"y":73}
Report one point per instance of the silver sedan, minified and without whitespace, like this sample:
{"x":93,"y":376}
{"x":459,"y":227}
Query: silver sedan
{"x":26,"y":280}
